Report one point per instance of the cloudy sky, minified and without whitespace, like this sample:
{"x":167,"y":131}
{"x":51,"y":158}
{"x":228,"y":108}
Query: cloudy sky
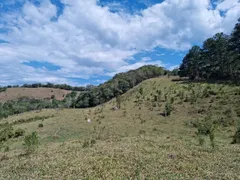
{"x":83,"y":42}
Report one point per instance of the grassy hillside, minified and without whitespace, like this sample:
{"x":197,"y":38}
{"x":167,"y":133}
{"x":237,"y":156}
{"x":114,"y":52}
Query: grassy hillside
{"x":36,"y":93}
{"x":153,"y":136}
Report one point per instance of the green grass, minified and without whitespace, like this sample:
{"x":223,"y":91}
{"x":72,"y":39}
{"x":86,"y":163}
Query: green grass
{"x":135,"y":142}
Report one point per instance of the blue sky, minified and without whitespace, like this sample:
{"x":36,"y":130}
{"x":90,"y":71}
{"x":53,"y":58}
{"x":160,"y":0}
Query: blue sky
{"x":82,"y":42}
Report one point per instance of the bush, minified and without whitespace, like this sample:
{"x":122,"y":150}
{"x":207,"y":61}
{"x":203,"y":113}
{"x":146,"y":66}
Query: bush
{"x":6,"y":132}
{"x":206,"y":127}
{"x":168,"y":109}
{"x":31,"y":142}
{"x":40,"y":125}
{"x":236,"y":137}
{"x":89,"y":143}
{"x":19,"y":132}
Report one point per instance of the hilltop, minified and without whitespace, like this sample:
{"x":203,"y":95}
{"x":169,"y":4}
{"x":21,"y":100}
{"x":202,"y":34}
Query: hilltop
{"x":163,"y":130}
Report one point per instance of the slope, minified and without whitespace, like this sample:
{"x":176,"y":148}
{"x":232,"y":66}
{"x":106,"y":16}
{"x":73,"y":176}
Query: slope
{"x":135,"y":142}
{"x":33,"y":93}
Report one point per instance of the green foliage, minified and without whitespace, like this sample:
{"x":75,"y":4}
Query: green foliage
{"x":118,"y":85}
{"x":236,"y":137}
{"x":206,"y":127}
{"x":219,"y":58}
{"x":22,"y":105}
{"x":119,"y":101}
{"x":40,"y":125}
{"x":19,"y":132}
{"x":88,"y":143}
{"x":141,"y":91}
{"x":31,"y":142}
{"x":6,"y":132}
{"x":168,"y":108}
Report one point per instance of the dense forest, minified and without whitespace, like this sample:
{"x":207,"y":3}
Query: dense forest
{"x":92,"y":96}
{"x":219,"y":58}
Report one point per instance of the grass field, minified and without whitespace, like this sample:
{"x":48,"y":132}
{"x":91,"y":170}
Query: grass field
{"x":35,"y":93}
{"x":135,"y":142}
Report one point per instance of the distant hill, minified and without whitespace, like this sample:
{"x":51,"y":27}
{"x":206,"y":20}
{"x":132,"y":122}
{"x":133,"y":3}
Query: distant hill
{"x":33,"y":93}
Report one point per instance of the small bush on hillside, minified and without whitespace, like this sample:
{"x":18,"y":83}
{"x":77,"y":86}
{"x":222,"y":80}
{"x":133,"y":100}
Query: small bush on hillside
{"x":193,"y":97}
{"x":186,"y":99}
{"x":6,"y":132}
{"x":236,"y":137}
{"x":172,"y":100}
{"x":19,"y":132}
{"x":212,"y":92}
{"x":40,"y":125}
{"x":206,"y":127}
{"x":205,"y":93}
{"x":142,"y":132}
{"x":88,"y":143}
{"x":119,"y":101}
{"x":168,"y":109}
{"x":181,"y":94}
{"x":31,"y":142}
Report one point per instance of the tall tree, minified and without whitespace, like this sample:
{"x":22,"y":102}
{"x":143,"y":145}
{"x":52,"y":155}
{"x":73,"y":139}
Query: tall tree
{"x":234,"y":47}
{"x":190,"y":65}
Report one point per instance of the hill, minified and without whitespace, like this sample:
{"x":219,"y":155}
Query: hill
{"x":163,"y":130}
{"x":93,"y":96}
{"x":33,"y":93}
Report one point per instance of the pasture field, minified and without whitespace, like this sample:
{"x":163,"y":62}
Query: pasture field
{"x":162,"y":130}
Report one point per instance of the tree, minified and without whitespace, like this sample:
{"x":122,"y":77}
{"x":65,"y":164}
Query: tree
{"x":218,"y":58}
{"x":234,"y":47}
{"x":214,"y":56}
{"x":190,"y":65}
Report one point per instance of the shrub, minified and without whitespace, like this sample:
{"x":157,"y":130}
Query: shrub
{"x":205,"y":93}
{"x":88,"y":143}
{"x":6,"y":132}
{"x":40,"y":125}
{"x":31,"y":142}
{"x":19,"y":132}
{"x":181,"y":94}
{"x":168,"y":109}
{"x":236,"y":137}
{"x":142,"y":132}
{"x":207,"y":127}
{"x":119,"y":101}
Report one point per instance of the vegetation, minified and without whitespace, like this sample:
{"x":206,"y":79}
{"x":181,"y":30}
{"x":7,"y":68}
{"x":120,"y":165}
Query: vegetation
{"x":118,"y":85}
{"x":31,"y":142}
{"x":135,"y":141}
{"x":93,"y":96}
{"x":236,"y":137}
{"x":219,"y":58}
{"x":25,"y":104}
{"x":131,"y":142}
{"x":49,"y":85}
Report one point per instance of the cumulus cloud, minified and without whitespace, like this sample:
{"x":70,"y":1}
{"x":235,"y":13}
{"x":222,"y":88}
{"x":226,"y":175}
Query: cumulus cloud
{"x":88,"y":40}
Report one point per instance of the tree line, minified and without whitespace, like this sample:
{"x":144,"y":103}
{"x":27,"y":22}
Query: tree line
{"x":219,"y":58}
{"x":93,"y":96}
{"x":50,"y":85}
{"x":118,"y":85}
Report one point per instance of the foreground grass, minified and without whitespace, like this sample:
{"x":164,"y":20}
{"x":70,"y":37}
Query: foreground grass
{"x":135,"y":142}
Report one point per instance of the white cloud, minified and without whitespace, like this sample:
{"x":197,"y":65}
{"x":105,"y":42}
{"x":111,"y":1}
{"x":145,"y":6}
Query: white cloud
{"x":89,"y":40}
{"x":144,"y":59}
{"x":227,"y":4}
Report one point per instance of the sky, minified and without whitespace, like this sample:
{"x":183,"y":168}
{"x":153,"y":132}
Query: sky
{"x":80,"y":42}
